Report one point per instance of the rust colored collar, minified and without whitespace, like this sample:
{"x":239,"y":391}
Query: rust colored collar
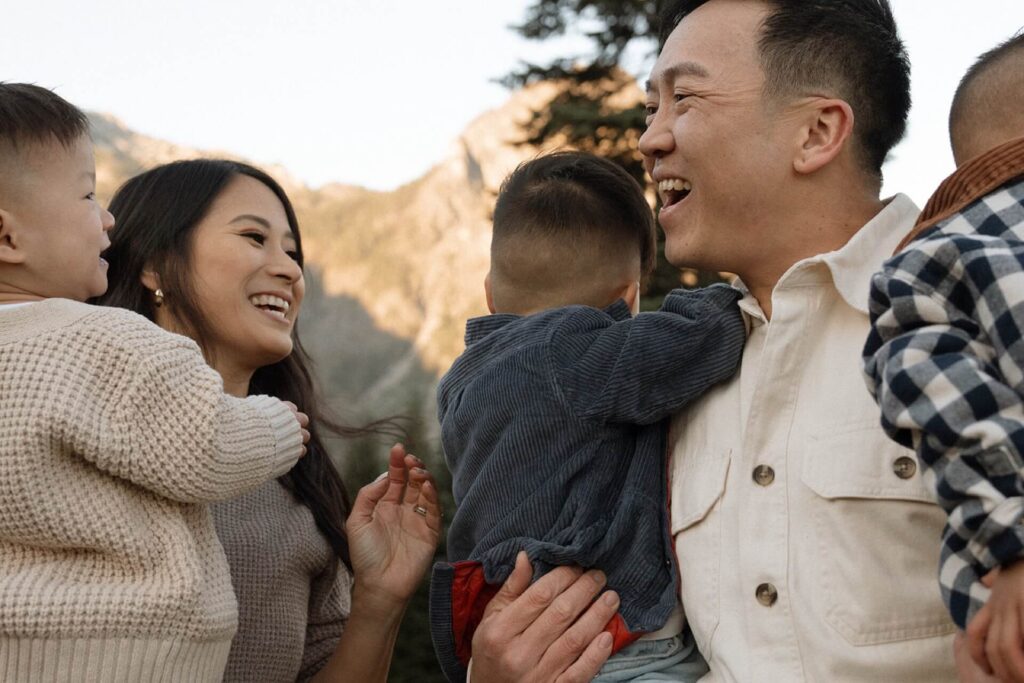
{"x":972,"y":181}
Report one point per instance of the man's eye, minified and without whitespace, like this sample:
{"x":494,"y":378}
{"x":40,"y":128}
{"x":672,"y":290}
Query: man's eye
{"x":650,"y":110}
{"x":91,"y":195}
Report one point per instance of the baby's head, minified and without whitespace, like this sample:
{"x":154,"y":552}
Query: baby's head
{"x":569,"y":228}
{"x":52,"y":229}
{"x":987,"y":109}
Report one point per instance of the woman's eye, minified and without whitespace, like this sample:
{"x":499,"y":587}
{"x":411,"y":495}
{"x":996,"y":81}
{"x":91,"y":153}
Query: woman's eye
{"x":91,"y":196}
{"x":256,"y":237}
{"x":293,"y":255}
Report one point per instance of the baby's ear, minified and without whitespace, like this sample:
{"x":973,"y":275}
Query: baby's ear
{"x":10,"y":252}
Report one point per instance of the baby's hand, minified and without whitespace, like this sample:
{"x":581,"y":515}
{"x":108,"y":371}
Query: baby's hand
{"x":303,"y":424}
{"x":995,"y":635}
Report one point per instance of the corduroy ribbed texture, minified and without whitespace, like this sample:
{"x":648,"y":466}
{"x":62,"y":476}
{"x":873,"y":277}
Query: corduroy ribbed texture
{"x":552,"y":428}
{"x":114,"y":434}
{"x":294,"y":595}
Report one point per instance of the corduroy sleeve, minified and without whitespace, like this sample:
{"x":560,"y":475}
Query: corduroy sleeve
{"x":943,"y":362}
{"x":167,"y":424}
{"x":642,"y":369}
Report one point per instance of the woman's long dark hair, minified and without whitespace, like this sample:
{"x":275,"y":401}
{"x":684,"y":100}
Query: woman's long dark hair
{"x":157,"y":212}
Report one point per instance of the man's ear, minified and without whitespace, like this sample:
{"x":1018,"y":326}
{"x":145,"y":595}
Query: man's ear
{"x":487,"y":291}
{"x":10,"y":253}
{"x":827,"y":129}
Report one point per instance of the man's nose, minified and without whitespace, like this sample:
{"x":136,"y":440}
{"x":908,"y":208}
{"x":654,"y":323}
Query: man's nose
{"x":657,"y":140}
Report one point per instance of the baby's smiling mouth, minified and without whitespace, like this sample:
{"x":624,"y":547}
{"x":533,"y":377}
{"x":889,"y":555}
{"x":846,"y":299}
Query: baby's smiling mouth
{"x":673,"y":190}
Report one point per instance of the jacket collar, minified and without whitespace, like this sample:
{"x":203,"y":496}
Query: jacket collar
{"x":478,"y":328}
{"x":969,"y":183}
{"x":852,"y":265}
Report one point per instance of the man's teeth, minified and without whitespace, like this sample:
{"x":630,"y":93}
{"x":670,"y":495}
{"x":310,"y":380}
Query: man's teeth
{"x":675,"y":184}
{"x":276,"y":303}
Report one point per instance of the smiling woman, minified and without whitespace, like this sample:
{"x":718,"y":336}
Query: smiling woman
{"x":211,"y":249}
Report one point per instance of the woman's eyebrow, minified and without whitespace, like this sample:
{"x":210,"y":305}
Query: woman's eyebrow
{"x":248,"y":217}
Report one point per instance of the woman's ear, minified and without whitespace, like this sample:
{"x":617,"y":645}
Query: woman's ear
{"x":150,"y":279}
{"x":828,"y":127}
{"x":487,"y":292}
{"x":9,"y":251}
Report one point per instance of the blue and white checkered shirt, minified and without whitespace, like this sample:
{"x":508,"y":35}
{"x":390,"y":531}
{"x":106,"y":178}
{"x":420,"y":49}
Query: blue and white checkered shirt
{"x":945,"y":360}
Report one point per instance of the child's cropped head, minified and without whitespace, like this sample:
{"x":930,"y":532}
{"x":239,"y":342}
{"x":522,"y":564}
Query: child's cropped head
{"x":987,"y":109}
{"x":52,"y":229}
{"x":569,"y":228}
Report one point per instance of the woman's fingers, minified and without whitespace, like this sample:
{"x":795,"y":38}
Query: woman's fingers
{"x":396,"y":474}
{"x":977,"y":634}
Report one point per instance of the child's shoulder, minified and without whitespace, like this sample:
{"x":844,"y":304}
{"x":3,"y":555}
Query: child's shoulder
{"x":118,"y":330}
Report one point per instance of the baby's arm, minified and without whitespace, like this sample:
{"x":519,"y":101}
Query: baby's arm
{"x":170,"y":428}
{"x":936,"y":360}
{"x":642,"y":369}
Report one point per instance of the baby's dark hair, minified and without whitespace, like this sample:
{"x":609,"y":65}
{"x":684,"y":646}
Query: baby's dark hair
{"x":567,"y":225}
{"x":31,"y":114}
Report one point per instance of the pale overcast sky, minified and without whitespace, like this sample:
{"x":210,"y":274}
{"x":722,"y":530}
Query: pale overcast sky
{"x":373,"y":92}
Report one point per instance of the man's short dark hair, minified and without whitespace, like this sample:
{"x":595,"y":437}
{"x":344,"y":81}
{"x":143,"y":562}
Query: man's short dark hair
{"x":587,"y":213}
{"x":849,"y":49}
{"x":972,"y":103}
{"x":31,"y":114}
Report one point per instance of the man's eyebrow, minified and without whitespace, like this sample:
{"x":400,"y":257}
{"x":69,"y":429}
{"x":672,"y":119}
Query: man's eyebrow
{"x":680,"y":69}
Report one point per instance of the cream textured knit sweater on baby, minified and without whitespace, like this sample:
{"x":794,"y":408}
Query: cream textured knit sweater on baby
{"x":114,"y":434}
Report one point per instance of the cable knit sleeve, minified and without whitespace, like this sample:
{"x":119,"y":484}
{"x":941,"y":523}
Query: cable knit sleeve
{"x":160,"y":418}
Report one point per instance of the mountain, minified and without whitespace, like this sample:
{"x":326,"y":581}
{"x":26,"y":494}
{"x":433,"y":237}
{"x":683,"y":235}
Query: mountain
{"x":393,"y":276}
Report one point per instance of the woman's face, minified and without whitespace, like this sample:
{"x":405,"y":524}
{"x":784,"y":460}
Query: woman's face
{"x":246,"y":279}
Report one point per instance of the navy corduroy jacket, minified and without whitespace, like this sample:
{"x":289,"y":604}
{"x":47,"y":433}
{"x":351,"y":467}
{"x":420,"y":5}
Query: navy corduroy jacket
{"x":554,"y":428}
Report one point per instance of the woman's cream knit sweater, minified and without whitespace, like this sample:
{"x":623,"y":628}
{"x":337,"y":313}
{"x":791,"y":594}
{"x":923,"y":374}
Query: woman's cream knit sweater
{"x":114,"y":434}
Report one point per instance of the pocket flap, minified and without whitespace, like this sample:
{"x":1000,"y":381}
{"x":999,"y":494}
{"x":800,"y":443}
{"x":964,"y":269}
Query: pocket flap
{"x":859,"y":461}
{"x":698,"y":481}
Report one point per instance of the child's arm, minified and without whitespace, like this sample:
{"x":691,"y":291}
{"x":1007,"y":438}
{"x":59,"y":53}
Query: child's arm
{"x":168,"y":426}
{"x":937,"y":361}
{"x":642,"y":369}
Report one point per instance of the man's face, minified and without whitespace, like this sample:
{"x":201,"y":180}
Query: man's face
{"x":713,"y":146}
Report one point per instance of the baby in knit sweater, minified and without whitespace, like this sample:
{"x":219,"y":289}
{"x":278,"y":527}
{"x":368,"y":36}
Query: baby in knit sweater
{"x":114,"y":436}
{"x":554,"y":420}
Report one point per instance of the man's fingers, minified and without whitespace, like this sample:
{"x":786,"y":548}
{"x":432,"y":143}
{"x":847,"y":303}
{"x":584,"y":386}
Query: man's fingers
{"x":581,"y":635}
{"x":427,"y":500}
{"x":590,"y":662}
{"x":563,"y":610}
{"x":515,"y":585}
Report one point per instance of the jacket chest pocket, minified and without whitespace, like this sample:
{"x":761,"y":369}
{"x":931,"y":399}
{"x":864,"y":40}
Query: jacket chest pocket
{"x":698,"y":482}
{"x":874,"y":557}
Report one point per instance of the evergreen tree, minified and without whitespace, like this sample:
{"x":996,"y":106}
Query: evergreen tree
{"x":581,"y":114}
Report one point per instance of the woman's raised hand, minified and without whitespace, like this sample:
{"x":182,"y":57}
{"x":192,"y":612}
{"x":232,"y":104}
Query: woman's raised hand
{"x":393,"y":530}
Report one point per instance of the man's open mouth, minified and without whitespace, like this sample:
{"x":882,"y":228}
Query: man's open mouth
{"x":674,"y":190}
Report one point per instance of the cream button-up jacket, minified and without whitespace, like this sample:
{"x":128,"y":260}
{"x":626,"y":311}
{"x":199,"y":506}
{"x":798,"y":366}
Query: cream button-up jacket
{"x":808,"y":545}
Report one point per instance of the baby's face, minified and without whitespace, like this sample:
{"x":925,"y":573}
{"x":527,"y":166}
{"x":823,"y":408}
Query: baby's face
{"x":60,"y":226}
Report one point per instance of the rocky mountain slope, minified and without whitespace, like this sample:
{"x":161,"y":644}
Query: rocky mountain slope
{"x":393,"y":275}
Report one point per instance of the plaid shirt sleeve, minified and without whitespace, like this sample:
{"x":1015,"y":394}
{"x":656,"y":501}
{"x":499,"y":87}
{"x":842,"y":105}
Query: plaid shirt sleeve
{"x":945,"y":361}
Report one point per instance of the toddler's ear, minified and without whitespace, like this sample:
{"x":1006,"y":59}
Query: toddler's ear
{"x":631,"y":295}
{"x":9,"y":251}
{"x":487,"y":291}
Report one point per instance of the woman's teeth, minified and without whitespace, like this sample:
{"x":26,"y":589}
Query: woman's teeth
{"x":271,"y":304}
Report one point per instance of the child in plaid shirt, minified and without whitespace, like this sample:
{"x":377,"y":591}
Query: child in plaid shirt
{"x":945,"y":358}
